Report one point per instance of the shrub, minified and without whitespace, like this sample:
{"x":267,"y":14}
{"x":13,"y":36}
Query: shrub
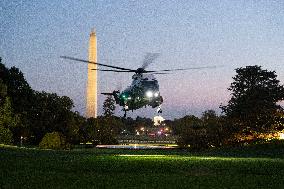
{"x":195,"y":138}
{"x":54,"y":140}
{"x":182,"y":142}
{"x":5,"y":136}
{"x":108,"y":139}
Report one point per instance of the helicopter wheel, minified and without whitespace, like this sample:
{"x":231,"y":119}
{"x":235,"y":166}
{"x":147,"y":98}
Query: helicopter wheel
{"x":125,"y":109}
{"x":159,"y":110}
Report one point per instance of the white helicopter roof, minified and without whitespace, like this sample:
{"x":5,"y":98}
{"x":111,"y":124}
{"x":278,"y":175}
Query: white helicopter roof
{"x":139,"y":77}
{"x":148,"y":76}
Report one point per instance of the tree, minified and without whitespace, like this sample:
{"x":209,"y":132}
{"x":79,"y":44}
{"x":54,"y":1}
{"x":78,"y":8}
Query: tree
{"x":6,"y":136}
{"x":191,"y":132}
{"x":18,"y":89}
{"x":213,"y":126}
{"x":4,"y":72}
{"x":253,"y":105}
{"x":88,"y":132}
{"x":14,"y":85}
{"x":54,"y":140}
{"x":50,"y":113}
{"x":108,"y":126}
{"x":7,"y":118}
{"x":3,"y":91}
{"x":109,"y":106}
{"x":107,"y":129}
{"x":37,"y":113}
{"x":128,"y":124}
{"x":76,"y":122}
{"x":8,"y":122}
{"x":143,"y":122}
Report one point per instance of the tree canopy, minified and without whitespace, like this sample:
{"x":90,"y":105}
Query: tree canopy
{"x":255,"y":93}
{"x":36,"y":112}
{"x":7,"y":122}
{"x":109,"y":106}
{"x":29,"y":115}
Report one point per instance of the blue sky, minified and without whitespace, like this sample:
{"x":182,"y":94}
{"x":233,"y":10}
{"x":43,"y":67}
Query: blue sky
{"x":33,"y":34}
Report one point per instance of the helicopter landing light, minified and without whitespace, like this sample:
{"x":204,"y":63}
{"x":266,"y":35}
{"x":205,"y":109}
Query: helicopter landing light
{"x":149,"y":94}
{"x":129,"y":98}
{"x":156,"y":94}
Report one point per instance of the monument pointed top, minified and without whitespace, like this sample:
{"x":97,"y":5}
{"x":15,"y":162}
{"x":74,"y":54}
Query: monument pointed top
{"x":93,"y":32}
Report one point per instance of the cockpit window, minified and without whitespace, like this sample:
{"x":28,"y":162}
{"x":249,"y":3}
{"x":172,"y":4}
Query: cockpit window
{"x":150,"y":84}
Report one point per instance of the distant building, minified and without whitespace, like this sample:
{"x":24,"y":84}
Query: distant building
{"x":158,"y":120}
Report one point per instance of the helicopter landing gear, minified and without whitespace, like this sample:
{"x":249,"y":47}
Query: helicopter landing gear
{"x":159,"y":110}
{"x":125,"y":108}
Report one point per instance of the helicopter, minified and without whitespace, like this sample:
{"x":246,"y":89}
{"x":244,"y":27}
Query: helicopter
{"x":144,"y":89}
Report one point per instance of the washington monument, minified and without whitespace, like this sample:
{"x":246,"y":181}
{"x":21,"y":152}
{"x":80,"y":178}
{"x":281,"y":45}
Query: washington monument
{"x":92,"y":87}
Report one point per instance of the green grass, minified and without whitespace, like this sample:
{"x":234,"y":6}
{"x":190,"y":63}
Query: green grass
{"x":259,"y":166}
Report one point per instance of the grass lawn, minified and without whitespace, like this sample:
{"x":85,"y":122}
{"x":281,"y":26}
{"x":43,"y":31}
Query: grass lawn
{"x":260,"y":166}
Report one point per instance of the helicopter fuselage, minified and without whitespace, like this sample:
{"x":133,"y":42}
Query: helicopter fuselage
{"x":144,"y":91}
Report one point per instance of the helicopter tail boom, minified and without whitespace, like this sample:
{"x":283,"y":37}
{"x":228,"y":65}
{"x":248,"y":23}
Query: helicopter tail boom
{"x":114,"y":94}
{"x":107,"y":93}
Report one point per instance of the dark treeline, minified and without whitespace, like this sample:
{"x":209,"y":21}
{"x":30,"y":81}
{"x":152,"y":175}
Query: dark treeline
{"x":252,"y":114}
{"x":27,"y":116}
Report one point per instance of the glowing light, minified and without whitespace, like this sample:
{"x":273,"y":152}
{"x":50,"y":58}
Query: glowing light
{"x":153,"y":156}
{"x":281,"y":136}
{"x":137,"y":146}
{"x":149,"y":94}
{"x":158,"y":120}
{"x":156,"y":94}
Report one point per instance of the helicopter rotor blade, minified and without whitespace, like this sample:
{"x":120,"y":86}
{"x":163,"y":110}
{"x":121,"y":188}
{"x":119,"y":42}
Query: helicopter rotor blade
{"x":181,"y":69}
{"x":159,"y":73}
{"x":124,"y":71}
{"x":149,"y":58}
{"x":99,"y":64}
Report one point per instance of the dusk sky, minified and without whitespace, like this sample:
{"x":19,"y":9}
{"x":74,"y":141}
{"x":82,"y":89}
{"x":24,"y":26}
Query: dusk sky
{"x":226,"y":33}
